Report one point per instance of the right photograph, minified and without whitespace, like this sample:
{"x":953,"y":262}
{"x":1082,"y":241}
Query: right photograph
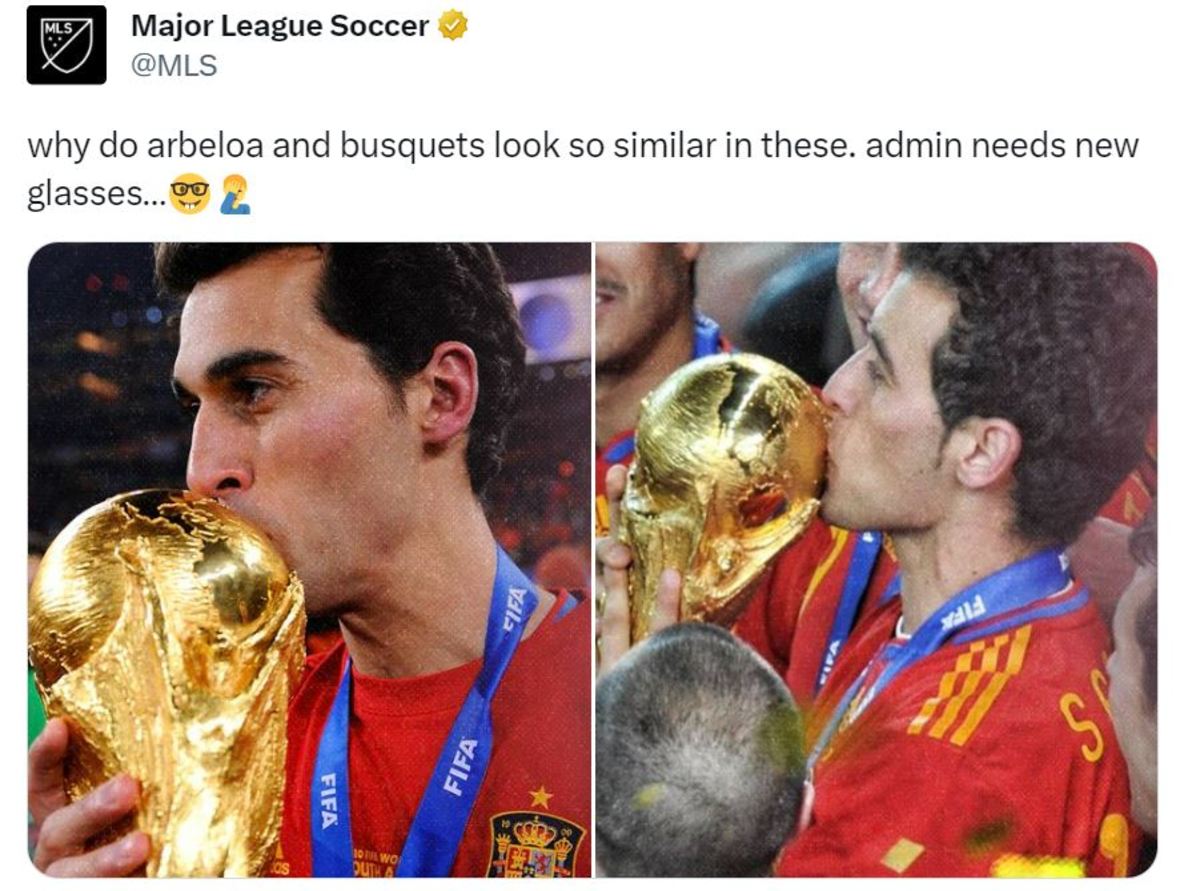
{"x":876,"y":559}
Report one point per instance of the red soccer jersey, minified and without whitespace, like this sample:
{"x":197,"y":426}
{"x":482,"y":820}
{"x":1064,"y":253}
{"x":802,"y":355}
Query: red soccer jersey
{"x":532,"y":816}
{"x":791,"y":615}
{"x":990,"y":757}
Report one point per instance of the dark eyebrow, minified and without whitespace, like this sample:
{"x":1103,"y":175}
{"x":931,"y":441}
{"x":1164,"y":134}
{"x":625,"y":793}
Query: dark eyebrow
{"x":884,"y":356}
{"x":229,"y":365}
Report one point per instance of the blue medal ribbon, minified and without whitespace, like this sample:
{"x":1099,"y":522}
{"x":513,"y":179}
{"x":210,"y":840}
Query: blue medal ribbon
{"x":706,"y":339}
{"x":862,"y":562}
{"x":618,"y":451}
{"x":441,"y":817}
{"x":1012,"y":588}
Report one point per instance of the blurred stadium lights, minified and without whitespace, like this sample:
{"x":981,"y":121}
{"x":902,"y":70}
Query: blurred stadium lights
{"x":100,"y":387}
{"x":91,"y":342}
{"x":556,"y":317}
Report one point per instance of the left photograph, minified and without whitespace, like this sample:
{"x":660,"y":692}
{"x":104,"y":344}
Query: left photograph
{"x":309,"y":560}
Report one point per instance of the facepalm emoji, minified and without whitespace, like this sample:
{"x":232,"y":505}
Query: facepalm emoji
{"x":189,"y":193}
{"x":235,"y":195}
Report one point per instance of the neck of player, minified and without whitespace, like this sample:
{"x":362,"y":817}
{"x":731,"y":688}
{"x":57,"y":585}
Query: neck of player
{"x":424,"y":607}
{"x":939,"y":562}
{"x":619,"y":392}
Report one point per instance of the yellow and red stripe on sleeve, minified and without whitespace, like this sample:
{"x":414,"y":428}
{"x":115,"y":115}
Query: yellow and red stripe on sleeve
{"x":967,"y":692}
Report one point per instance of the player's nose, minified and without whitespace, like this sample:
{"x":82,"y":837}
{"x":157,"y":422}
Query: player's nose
{"x":839,"y":392}
{"x":217,"y":466}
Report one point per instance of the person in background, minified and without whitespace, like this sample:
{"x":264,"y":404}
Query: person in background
{"x":1133,"y":679}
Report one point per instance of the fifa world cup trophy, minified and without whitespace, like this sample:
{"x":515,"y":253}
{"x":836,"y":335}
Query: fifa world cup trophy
{"x":728,"y":465}
{"x":169,"y":634}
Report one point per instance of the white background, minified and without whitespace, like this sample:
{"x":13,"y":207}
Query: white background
{"x":838,"y":68}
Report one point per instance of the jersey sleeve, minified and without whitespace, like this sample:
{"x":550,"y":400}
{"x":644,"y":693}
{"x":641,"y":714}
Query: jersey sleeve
{"x":769,"y":621}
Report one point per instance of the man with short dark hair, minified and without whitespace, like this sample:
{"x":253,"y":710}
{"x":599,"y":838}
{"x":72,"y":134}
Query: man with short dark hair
{"x":351,"y":400}
{"x":699,"y":767}
{"x":1004,"y":392}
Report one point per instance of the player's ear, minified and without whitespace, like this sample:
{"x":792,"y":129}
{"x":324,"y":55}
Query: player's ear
{"x":449,"y":388}
{"x":984,"y":451}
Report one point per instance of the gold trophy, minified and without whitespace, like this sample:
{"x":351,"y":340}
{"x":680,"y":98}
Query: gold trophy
{"x":169,"y":634}
{"x":728,"y":464}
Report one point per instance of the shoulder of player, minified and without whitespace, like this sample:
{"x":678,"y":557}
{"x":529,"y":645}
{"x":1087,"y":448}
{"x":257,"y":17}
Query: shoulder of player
{"x":563,"y":638}
{"x":1016,"y":688}
{"x":543,"y":702}
{"x":568,"y":614}
{"x":813,"y":567}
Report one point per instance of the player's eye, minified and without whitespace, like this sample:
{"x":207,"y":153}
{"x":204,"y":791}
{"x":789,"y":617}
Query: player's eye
{"x":252,"y":392}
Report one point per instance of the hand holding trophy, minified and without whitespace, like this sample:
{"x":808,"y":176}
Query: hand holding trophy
{"x":168,"y":632}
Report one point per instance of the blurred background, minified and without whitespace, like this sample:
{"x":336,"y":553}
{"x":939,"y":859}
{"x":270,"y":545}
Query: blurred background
{"x":777,"y":299}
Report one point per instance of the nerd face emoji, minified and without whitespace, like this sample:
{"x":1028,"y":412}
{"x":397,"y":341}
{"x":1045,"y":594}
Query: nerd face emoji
{"x":189,"y":193}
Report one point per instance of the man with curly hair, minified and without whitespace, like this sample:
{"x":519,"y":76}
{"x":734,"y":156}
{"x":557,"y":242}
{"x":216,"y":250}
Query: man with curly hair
{"x":1003,"y":393}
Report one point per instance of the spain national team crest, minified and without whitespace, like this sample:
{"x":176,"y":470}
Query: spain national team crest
{"x":531,"y":845}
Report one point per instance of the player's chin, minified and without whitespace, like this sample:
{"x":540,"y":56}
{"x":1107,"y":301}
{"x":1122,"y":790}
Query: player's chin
{"x":837,"y":510}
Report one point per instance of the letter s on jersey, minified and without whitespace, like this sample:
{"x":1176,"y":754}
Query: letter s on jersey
{"x":1069,"y":704}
